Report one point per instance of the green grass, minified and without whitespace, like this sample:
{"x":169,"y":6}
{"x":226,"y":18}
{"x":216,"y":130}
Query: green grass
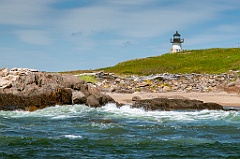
{"x":91,"y":79}
{"x":211,"y":61}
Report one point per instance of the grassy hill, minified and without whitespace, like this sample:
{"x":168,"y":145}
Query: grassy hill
{"x":211,"y":61}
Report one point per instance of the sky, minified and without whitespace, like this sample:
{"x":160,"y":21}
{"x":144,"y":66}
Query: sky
{"x":62,"y":35}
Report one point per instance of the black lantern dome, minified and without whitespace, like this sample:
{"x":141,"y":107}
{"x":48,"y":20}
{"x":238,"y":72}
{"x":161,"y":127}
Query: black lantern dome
{"x":176,"y":34}
{"x":177,"y":38}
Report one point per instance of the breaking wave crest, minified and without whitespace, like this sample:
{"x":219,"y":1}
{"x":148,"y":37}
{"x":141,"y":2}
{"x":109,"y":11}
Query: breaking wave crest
{"x":112,"y":111}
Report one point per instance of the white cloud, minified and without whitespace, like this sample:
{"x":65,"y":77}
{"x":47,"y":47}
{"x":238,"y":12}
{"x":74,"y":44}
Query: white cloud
{"x":138,"y":23}
{"x":28,"y":19}
{"x":24,"y":12}
{"x":121,"y":18}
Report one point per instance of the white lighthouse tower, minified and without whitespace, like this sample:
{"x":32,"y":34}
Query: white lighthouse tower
{"x":176,"y":42}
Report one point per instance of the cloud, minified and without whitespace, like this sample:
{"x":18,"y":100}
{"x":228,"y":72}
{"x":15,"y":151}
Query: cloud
{"x":25,"y":12}
{"x":129,"y":22}
{"x":126,"y":20}
{"x":28,"y":20}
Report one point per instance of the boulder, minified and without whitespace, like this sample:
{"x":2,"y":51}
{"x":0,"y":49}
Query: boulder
{"x":3,"y":72}
{"x":78,"y":97}
{"x":39,"y":98}
{"x":231,"y":84}
{"x":29,"y":89}
{"x":92,"y":89}
{"x":92,"y":101}
{"x":104,"y":99}
{"x":174,"y":104}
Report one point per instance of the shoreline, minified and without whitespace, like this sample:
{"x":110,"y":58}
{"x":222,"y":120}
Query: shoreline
{"x":223,"y":98}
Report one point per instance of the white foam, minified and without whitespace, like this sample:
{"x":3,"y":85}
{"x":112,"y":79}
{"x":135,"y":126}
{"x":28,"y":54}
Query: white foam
{"x":61,"y":117}
{"x":73,"y":136}
{"x":127,"y":111}
{"x":56,"y":112}
{"x":112,"y":111}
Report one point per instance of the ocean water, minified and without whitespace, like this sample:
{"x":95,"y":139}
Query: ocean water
{"x":109,"y":132}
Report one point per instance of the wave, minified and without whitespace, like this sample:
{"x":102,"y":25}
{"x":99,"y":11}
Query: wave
{"x":110,"y":111}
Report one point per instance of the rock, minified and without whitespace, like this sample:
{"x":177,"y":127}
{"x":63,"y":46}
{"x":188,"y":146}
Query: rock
{"x":118,"y":80}
{"x":143,"y":84}
{"x":14,"y":69}
{"x":232,"y":89}
{"x":172,"y":82}
{"x":167,"y":89}
{"x":73,"y":82}
{"x":104,"y":99}
{"x":66,"y":96}
{"x":33,"y":70}
{"x":92,"y":101}
{"x":92,"y":89}
{"x":39,"y":98}
{"x":231,"y":84}
{"x":136,"y":98}
{"x":174,"y":104}
{"x":28,"y":89}
{"x":4,"y":83}
{"x":3,"y":72}
{"x":78,"y":97}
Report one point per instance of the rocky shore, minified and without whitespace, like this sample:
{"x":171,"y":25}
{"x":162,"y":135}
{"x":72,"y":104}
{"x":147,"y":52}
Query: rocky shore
{"x":210,"y":88}
{"x":228,"y":82}
{"x":29,"y":89}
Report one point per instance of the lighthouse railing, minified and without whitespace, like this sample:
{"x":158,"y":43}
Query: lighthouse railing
{"x":176,"y":40}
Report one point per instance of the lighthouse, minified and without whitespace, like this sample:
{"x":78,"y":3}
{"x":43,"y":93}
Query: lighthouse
{"x":176,"y":43}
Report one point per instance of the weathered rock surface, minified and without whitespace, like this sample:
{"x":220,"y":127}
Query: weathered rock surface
{"x":174,"y":104}
{"x":28,"y":89}
{"x":229,"y":82}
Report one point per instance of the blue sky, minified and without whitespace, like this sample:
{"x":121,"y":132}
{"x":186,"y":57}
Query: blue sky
{"x":60,"y":35}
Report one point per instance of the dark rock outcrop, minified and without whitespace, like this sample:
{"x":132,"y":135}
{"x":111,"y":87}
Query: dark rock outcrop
{"x":174,"y":104}
{"x":27,"y":89}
